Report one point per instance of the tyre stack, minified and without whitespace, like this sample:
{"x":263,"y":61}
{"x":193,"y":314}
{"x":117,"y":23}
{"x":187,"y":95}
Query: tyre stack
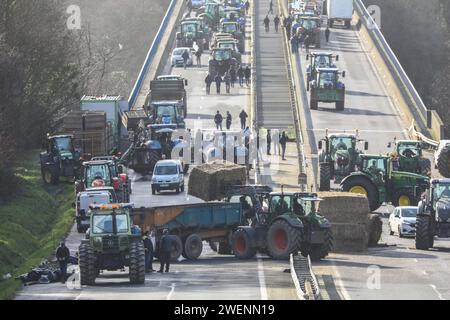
{"x":353,"y":226}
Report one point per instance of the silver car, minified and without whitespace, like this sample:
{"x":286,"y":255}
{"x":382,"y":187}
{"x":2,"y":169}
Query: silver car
{"x":177,"y":56}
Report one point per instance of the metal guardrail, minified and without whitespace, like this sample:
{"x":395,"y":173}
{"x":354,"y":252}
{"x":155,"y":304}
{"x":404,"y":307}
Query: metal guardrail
{"x":151,"y":54}
{"x":304,"y":279}
{"x":409,"y":92}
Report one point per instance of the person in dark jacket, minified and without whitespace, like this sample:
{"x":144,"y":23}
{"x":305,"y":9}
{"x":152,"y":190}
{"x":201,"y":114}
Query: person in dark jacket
{"x":218,"y":81}
{"x":165,"y":251}
{"x":327,"y":34}
{"x":248,"y":75}
{"x":229,"y":120}
{"x":233,"y":76}
{"x":276,"y":22}
{"x":269,"y":141}
{"x":63,"y":256}
{"x":247,"y":6}
{"x":241,"y":75}
{"x":283,"y":143}
{"x":227,"y":80}
{"x":243,"y":116}
{"x":208,"y":81}
{"x":218,"y":119}
{"x":198,"y":54}
{"x":267,"y":23}
{"x":271,"y":7}
{"x":148,"y":246}
{"x":185,"y":57}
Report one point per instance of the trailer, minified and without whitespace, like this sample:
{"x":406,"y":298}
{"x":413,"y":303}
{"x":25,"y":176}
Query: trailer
{"x":191,"y":224}
{"x":340,"y":10}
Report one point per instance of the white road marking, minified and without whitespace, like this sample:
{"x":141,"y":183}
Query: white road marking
{"x":360,"y":131}
{"x":172,"y":290}
{"x":339,"y":284}
{"x":262,"y":279}
{"x":437,"y":292}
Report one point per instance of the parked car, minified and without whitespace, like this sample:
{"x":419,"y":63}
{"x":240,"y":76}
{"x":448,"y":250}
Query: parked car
{"x":403,"y":221}
{"x":168,"y":175}
{"x":177,"y":56}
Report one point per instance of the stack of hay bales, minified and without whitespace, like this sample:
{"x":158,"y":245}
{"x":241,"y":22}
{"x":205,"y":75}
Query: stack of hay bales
{"x":352,"y":225}
{"x":210,"y":182}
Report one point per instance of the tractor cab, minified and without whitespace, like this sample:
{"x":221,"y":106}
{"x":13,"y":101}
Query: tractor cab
{"x":190,"y":32}
{"x":232,"y":28}
{"x":327,"y":87}
{"x":319,"y":60}
{"x":408,"y":157}
{"x":328,"y":78}
{"x":167,"y":113}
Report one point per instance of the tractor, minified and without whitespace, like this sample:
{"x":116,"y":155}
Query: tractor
{"x":326,"y":87}
{"x":408,"y":157}
{"x":190,"y":32}
{"x":318,"y":60}
{"x":102,"y":173}
{"x":117,"y":170}
{"x":234,"y":29}
{"x":60,"y":159}
{"x":221,"y":61}
{"x":381,"y":184}
{"x":112,"y":243}
{"x":310,"y":26}
{"x":338,"y":158}
{"x":433,"y":216}
{"x":280,"y":223}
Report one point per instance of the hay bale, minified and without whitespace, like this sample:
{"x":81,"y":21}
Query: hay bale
{"x":374,"y":229}
{"x":210,"y":182}
{"x":349,"y":237}
{"x":342,"y":207}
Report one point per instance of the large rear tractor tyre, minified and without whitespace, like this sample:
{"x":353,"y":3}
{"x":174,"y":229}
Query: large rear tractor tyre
{"x":320,"y":251}
{"x":242,"y":245}
{"x":50,"y":176}
{"x":404,"y":198}
{"x":177,"y":248}
{"x":282,"y":240}
{"x":443,"y":161}
{"x":193,"y":247}
{"x":88,"y":265}
{"x":325,"y":176}
{"x":425,"y":167}
{"x":424,"y":235}
{"x":363,"y":186}
{"x":137,"y":262}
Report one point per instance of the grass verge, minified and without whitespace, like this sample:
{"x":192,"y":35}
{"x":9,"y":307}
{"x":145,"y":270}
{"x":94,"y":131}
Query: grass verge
{"x":33,"y":223}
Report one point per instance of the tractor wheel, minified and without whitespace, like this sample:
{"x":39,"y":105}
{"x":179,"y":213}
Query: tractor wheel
{"x":177,"y":248}
{"x":363,"y":186}
{"x":87,"y":263}
{"x":224,"y":248}
{"x":314,"y":104}
{"x":50,"y":176}
{"x":137,"y":262}
{"x":320,"y":251}
{"x":193,"y":247}
{"x":424,"y":235}
{"x":340,"y":105}
{"x":242,"y":245}
{"x":282,"y":240}
{"x":425,"y":167}
{"x":325,"y":176}
{"x":153,"y":156}
{"x":404,"y":198}
{"x":443,"y":161}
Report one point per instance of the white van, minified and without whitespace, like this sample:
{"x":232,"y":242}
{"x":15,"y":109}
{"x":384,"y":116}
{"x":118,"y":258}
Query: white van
{"x":168,"y":175}
{"x":87,"y":198}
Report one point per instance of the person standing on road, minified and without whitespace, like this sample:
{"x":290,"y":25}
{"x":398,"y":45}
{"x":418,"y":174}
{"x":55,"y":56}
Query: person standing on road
{"x":148,"y":246}
{"x":283,"y":143}
{"x":287,"y":22}
{"x":229,"y":120}
{"x":218,"y":119}
{"x":233,"y":76}
{"x":247,"y":6}
{"x":267,"y":23}
{"x":327,"y":34}
{"x":185,"y":57}
{"x":198,"y":54}
{"x":227,"y":80}
{"x":240,"y":74}
{"x":276,"y":141}
{"x":276,"y":22}
{"x":269,"y":141}
{"x":301,"y":40}
{"x":248,"y":75}
{"x":208,"y":81}
{"x":307,"y":42}
{"x":63,"y":256}
{"x":294,"y":44}
{"x":271,"y":7}
{"x":243,"y":116}
{"x":218,"y":81}
{"x":165,"y":251}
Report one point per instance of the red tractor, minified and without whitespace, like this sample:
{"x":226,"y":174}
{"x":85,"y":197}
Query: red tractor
{"x":104,"y":173}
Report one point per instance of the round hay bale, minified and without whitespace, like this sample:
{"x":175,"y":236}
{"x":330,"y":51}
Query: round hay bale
{"x":374,"y":229}
{"x":343,"y":207}
{"x":349,"y":237}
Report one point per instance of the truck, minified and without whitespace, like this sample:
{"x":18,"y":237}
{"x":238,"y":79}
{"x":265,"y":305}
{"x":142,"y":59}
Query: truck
{"x":340,"y":10}
{"x":191,"y":224}
{"x":166,"y":103}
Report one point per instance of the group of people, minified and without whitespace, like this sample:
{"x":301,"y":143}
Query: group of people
{"x":243,"y":75}
{"x":218,"y":120}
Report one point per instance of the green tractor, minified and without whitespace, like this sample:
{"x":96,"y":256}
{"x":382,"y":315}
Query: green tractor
{"x":433,"y":216}
{"x":381,"y":184}
{"x":60,"y":159}
{"x":111,"y":244}
{"x":190,"y":32}
{"x":318,"y":60}
{"x":221,"y":61}
{"x":280,"y":224}
{"x":326,"y":87}
{"x":338,"y":158}
{"x":408,"y":157}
